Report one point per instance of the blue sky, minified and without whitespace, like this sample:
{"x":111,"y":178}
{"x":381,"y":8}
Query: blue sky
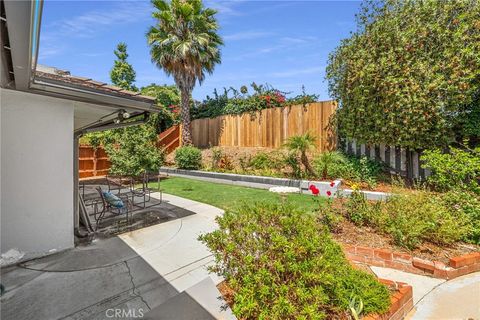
{"x":283,"y":43}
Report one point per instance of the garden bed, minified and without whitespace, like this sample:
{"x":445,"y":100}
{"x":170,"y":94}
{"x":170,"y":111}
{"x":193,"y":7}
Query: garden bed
{"x":269,"y":162}
{"x":351,"y":235}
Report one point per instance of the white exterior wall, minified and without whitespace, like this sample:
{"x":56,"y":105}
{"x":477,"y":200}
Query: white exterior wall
{"x":36,"y":173}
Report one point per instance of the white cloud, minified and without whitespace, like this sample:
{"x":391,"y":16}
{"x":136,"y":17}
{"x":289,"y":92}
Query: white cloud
{"x":226,"y":8}
{"x":92,"y":22}
{"x":247,"y":35}
{"x":283,"y":43}
{"x":88,"y":25}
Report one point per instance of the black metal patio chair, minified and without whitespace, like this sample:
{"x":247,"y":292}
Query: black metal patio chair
{"x":107,"y":207}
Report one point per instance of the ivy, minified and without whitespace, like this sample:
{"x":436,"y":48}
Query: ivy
{"x":410,"y":73}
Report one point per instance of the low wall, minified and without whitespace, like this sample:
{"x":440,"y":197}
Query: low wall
{"x":457,"y":266}
{"x":262,"y":182}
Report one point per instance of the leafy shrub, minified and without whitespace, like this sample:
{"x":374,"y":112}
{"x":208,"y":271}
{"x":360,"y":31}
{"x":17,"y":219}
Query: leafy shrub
{"x":132,"y":150}
{"x":329,"y":216}
{"x":332,"y":165}
{"x":264,"y":160}
{"x":410,"y":218}
{"x":411,"y":88}
{"x":456,"y":169}
{"x":291,"y":161}
{"x":423,"y":217}
{"x":335,"y":165}
{"x":282,"y":264}
{"x":463,"y":203}
{"x":216,"y":157}
{"x":244,"y":162}
{"x":226,"y":163}
{"x":188,"y":157}
{"x":360,"y":211}
{"x":365,"y":170}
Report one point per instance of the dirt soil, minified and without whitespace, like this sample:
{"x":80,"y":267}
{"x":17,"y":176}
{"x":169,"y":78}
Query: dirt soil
{"x":351,"y":234}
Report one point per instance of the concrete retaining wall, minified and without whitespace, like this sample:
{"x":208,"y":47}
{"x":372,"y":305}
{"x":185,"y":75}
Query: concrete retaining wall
{"x":262,"y":182}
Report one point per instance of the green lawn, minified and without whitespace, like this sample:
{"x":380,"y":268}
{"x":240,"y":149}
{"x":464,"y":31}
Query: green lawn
{"x":227,"y":196}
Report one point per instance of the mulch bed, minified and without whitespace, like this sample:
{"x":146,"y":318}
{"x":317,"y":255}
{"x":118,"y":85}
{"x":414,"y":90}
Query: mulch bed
{"x":350,"y":234}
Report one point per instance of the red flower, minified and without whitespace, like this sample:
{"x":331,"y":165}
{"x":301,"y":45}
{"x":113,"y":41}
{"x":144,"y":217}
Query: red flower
{"x":314,"y":190}
{"x":329,"y":193}
{"x":332,"y":184}
{"x":279,"y":97}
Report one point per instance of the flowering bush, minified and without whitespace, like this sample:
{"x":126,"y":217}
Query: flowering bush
{"x":282,"y":263}
{"x":232,"y":101}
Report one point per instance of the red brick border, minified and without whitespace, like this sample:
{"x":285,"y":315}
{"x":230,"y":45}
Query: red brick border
{"x":458,"y":266}
{"x":401,"y":302}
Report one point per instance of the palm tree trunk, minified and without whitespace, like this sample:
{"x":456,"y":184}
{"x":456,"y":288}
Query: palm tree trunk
{"x":306,"y":164}
{"x":186,"y":128}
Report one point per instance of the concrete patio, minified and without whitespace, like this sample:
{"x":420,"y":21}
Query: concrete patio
{"x":154,"y":273}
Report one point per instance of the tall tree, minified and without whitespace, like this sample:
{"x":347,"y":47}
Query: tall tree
{"x":185,"y":44}
{"x":410,"y":75}
{"x":168,"y":102}
{"x":122,"y":73}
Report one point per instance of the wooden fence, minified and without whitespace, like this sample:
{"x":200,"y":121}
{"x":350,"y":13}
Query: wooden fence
{"x":92,"y":162}
{"x":169,"y":139}
{"x":267,"y":128}
{"x":398,"y":160}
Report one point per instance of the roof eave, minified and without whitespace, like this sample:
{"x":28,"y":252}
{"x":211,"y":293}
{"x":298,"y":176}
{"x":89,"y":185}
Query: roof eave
{"x":78,"y":93}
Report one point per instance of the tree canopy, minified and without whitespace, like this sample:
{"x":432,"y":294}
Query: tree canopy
{"x":122,"y":73}
{"x":410,"y":75}
{"x":168,"y":101}
{"x":185,"y":44}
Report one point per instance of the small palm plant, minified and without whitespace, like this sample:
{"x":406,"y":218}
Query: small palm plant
{"x":302,"y":144}
{"x":185,"y":44}
{"x":326,"y":160}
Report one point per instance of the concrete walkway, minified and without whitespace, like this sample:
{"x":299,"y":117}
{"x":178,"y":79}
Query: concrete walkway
{"x":437,"y":298}
{"x":173,"y":250}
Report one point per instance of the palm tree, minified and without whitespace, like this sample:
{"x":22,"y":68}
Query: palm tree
{"x":302,"y":144}
{"x":185,"y":44}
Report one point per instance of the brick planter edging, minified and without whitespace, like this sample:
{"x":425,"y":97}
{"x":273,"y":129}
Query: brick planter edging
{"x":458,"y":266}
{"x":401,"y":302}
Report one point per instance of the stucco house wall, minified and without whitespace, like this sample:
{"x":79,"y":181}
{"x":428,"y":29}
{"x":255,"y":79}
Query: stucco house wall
{"x":37,"y":178}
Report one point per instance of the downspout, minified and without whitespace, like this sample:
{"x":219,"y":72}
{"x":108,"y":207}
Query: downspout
{"x":76,"y":219}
